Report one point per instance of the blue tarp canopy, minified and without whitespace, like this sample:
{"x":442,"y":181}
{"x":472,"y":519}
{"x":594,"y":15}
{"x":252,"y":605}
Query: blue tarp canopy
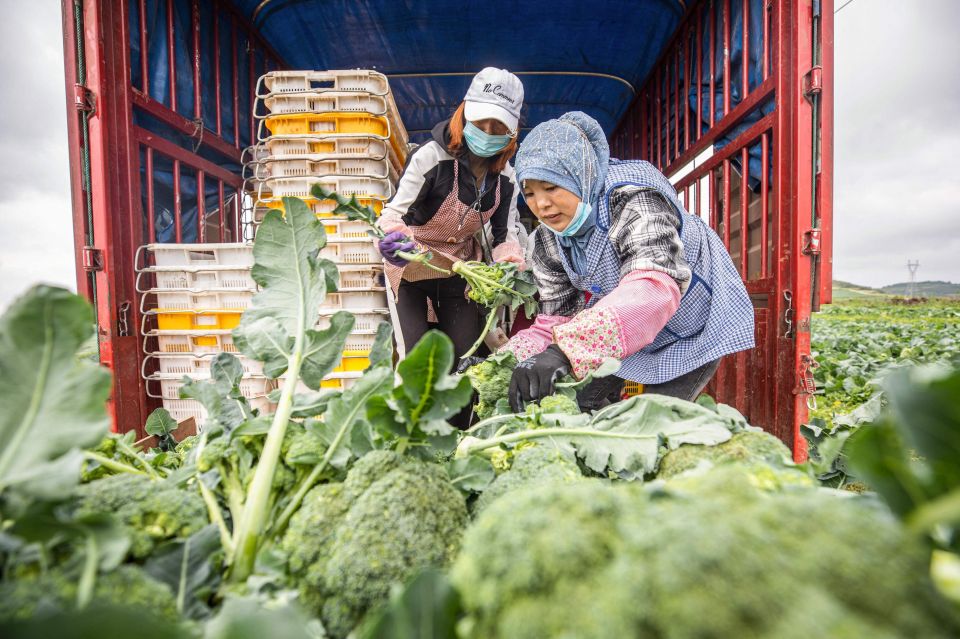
{"x":591,"y":56}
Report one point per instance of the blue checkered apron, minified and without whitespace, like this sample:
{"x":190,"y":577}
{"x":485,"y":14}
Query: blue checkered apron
{"x":715,"y":316}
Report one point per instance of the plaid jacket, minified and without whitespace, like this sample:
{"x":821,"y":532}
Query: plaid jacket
{"x":638,"y":222}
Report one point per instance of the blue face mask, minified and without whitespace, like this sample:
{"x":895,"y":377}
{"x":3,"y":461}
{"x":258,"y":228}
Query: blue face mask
{"x":582,"y":215}
{"x":483,"y":144}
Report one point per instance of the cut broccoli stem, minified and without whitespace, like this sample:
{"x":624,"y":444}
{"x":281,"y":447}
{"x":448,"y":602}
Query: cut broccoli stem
{"x":88,"y":577}
{"x":130,"y":452}
{"x":249,"y":534}
{"x":112,"y":464}
{"x":213,"y":508}
{"x":496,"y":419}
{"x":488,"y":325}
{"x":421,"y":258}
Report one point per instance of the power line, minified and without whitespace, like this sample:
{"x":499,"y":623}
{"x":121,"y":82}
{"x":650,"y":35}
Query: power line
{"x":842,"y":6}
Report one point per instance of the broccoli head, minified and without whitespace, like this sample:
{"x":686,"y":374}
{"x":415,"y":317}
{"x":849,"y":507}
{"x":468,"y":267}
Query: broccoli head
{"x":594,"y":560}
{"x":532,"y":465}
{"x":558,"y":404}
{"x":491,"y":380}
{"x":152,"y":511}
{"x":55,"y":590}
{"x":349,"y":543}
{"x":745,"y":446}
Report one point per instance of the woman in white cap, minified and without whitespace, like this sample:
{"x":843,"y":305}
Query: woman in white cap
{"x":451,"y":187}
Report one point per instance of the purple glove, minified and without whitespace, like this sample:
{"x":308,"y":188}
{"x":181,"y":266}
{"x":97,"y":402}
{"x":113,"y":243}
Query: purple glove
{"x":393,"y":242}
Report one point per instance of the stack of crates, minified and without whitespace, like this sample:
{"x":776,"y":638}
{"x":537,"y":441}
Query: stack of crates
{"x":340,"y":129}
{"x":191,"y":298}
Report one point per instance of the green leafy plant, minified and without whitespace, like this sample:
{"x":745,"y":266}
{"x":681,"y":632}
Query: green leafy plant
{"x":278,"y":331}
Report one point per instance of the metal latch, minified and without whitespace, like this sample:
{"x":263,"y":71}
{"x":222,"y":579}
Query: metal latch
{"x":806,"y":385}
{"x":811,"y":242}
{"x":83,"y":99}
{"x":92,"y":259}
{"x":123,"y":319}
{"x":813,"y":82}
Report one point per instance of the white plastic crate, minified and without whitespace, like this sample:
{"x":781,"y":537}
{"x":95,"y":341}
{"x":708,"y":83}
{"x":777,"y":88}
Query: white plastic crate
{"x":325,"y":102}
{"x":200,"y":342}
{"x":183,"y":409}
{"x":355,"y":301}
{"x":361,"y":187}
{"x":192,"y":364}
{"x":322,"y":147}
{"x":364,"y":321}
{"x":351,"y":253}
{"x":361,"y":167}
{"x":195,"y":280}
{"x":197,"y":301}
{"x":335,"y":381}
{"x":346,"y":230}
{"x":354,"y":80}
{"x":200,"y":255}
{"x":359,"y":278}
{"x":169,"y":386}
{"x":360,"y":341}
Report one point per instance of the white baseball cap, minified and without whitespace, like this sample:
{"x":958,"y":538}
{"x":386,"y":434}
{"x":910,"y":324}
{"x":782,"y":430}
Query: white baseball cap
{"x":497,"y":94}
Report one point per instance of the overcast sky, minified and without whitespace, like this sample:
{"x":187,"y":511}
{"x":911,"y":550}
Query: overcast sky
{"x":897,"y":195}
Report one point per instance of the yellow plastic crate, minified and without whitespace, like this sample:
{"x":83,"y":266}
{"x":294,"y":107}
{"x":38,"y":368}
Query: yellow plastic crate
{"x":186,"y":321}
{"x":328,"y":123}
{"x":631,"y":389}
{"x":324,"y":208}
{"x":353,"y":361}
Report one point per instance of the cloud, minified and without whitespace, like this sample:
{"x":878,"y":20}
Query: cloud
{"x":36,"y":240}
{"x":896,"y":132}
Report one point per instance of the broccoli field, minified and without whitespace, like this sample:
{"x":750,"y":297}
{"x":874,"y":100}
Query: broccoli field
{"x":365,"y":514}
{"x":856,"y":344}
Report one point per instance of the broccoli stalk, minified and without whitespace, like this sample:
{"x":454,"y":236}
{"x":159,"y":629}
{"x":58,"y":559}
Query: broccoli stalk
{"x":249,"y":531}
{"x":356,"y":212}
{"x":493,"y":286}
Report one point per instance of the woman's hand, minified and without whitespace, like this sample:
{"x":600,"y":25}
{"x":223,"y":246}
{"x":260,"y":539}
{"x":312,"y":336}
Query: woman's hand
{"x":393,"y":242}
{"x":391,"y":222}
{"x":510,"y":252}
{"x":535,"y":378}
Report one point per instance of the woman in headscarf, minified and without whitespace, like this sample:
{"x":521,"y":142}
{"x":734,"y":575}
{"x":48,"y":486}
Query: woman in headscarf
{"x":451,"y":187}
{"x":664,"y":296}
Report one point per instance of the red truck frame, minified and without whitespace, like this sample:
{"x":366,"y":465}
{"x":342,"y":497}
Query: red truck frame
{"x":757,"y":164}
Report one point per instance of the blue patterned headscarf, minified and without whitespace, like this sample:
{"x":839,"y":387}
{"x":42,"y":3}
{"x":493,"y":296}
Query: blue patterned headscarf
{"x":572,"y":153}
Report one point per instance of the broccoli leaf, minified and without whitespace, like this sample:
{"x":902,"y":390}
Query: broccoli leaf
{"x":427,"y":608}
{"x":470,"y":474}
{"x":381,"y":353}
{"x":324,"y":349}
{"x":161,"y":425}
{"x":417,"y":410}
{"x":286,"y":266}
{"x":51,"y":402}
{"x":349,"y":410}
{"x":226,"y":407}
{"x":188,"y":566}
{"x":626,"y":438}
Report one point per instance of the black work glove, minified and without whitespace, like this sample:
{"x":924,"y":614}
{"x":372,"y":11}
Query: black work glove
{"x":534,"y":378}
{"x":467,"y":362}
